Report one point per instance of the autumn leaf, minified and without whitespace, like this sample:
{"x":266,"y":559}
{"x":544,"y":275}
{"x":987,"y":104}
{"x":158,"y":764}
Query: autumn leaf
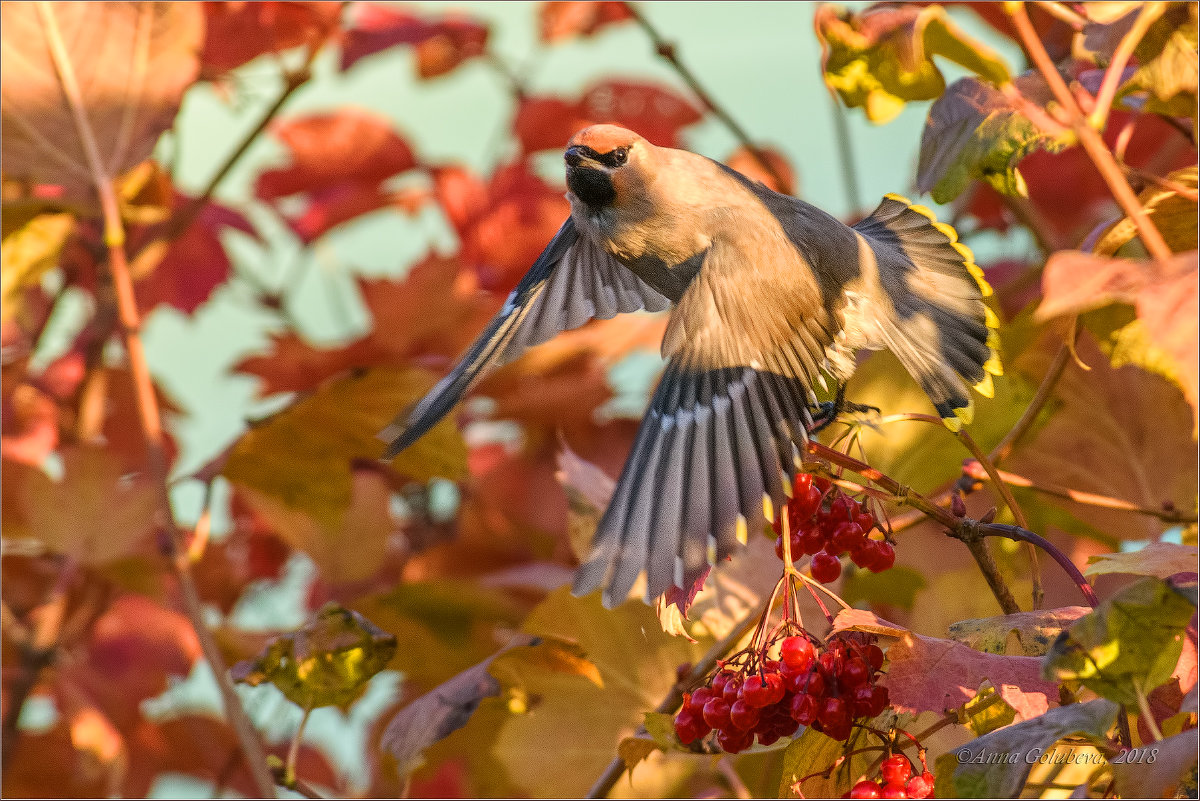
{"x":1127,"y":646}
{"x":1018,"y":634}
{"x":92,"y":514}
{"x":567,"y":19}
{"x":302,"y":457}
{"x":441,"y":44}
{"x":883,"y":57}
{"x":241,"y":32}
{"x":1159,"y":559}
{"x":1174,"y":763}
{"x":326,"y":662}
{"x":974,"y":132}
{"x":27,"y":253}
{"x":132,"y":62}
{"x":1167,"y":63}
{"x":1003,"y":775}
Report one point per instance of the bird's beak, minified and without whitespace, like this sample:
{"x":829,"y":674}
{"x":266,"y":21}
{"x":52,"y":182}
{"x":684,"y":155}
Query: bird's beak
{"x":574,"y":156}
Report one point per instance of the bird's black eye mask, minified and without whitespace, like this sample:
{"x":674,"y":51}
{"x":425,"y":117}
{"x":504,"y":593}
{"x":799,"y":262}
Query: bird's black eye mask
{"x":613,"y":158}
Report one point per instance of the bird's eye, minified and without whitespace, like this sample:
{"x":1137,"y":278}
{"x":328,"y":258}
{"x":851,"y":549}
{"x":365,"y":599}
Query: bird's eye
{"x":620,"y":155}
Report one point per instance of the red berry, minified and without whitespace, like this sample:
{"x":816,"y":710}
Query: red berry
{"x":861,"y":701}
{"x":896,"y":769}
{"x":805,"y":503}
{"x":865,"y":789}
{"x":865,"y":520}
{"x":894,"y":791}
{"x":719,"y":681}
{"x":689,"y":728}
{"x":716,"y":714}
{"x":879,"y":700}
{"x":797,"y":653}
{"x":854,"y":673}
{"x":885,"y":557}
{"x":825,"y":568}
{"x":768,"y":737}
{"x":755,"y":691}
{"x":733,"y":741}
{"x":732,"y":691}
{"x":833,"y":712}
{"x":874,"y":656}
{"x":822,"y":483}
{"x":920,"y":786}
{"x":804,"y":709}
{"x":838,"y":730}
{"x":801,"y":483}
{"x":812,"y":540}
{"x":699,"y":698}
{"x":847,"y":536}
{"x":743,"y":716}
{"x":840,"y":509}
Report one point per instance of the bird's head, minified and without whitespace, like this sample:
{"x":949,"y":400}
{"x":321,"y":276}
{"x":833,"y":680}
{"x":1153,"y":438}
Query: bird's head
{"x":604,"y":164}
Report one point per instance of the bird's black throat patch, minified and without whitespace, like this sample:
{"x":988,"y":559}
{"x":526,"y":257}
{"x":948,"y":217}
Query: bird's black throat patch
{"x":592,"y":186}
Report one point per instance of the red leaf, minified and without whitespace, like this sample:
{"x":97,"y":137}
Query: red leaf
{"x":196,"y":262}
{"x":238,"y":32}
{"x":654,"y":112}
{"x":441,"y":44}
{"x":350,"y":145}
{"x":566,"y":19}
{"x":747,"y":164}
{"x":329,"y":208}
{"x":30,"y":424}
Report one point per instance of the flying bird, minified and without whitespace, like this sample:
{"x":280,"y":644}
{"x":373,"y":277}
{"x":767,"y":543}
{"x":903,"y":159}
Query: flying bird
{"x":768,"y":294}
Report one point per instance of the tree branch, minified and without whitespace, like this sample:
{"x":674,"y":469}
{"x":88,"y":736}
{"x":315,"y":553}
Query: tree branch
{"x":147,"y":402}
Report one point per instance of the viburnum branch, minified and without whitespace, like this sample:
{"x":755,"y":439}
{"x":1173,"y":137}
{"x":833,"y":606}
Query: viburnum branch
{"x":1116,"y":68}
{"x":608,"y":779}
{"x":147,"y":400}
{"x":1025,"y":535}
{"x":1089,"y":138}
{"x":667,"y":51}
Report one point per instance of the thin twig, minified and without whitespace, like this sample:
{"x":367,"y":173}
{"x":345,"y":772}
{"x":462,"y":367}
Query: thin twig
{"x":1025,"y":535}
{"x":1092,"y":144}
{"x":667,"y":51}
{"x":147,"y":401}
{"x":608,"y":779}
{"x":1116,"y":68}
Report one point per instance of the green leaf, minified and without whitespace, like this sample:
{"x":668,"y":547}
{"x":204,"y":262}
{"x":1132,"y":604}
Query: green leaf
{"x":895,"y":587}
{"x":987,"y":712}
{"x":812,"y":753}
{"x":1128,"y":646}
{"x":997,"y":764}
{"x":973,"y":132}
{"x":1168,"y":63}
{"x":1020,"y":634}
{"x":1160,"y":559}
{"x":327,"y":661}
{"x":883,"y":58}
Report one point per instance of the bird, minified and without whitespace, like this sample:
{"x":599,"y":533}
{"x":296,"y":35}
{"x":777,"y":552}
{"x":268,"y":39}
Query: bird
{"x":767,"y":296}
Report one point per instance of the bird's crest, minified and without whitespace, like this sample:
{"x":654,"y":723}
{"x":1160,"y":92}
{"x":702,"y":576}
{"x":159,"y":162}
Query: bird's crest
{"x":603,"y":138}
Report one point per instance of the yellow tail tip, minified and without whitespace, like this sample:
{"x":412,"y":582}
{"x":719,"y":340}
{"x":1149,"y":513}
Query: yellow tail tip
{"x":985,"y":387}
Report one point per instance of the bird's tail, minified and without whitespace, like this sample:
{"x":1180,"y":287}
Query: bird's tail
{"x":936,"y":322}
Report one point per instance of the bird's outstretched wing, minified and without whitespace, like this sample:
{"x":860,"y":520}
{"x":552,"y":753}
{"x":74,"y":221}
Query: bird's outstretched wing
{"x":714,"y":454}
{"x":573,"y":281}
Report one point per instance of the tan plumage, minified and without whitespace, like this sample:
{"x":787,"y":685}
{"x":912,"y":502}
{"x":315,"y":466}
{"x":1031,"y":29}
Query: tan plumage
{"x":769,"y":295}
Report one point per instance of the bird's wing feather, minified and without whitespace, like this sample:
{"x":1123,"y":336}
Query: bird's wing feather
{"x":572,"y":281}
{"x":715,"y":451}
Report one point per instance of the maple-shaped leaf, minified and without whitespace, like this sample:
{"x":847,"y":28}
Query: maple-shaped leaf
{"x":303,"y":456}
{"x":656,"y":113}
{"x":47,"y":764}
{"x":974,"y":132}
{"x":241,"y":32}
{"x":1159,"y":559}
{"x":326,"y":209}
{"x":1128,"y":645}
{"x":567,"y":19}
{"x":978,"y":776}
{"x":328,"y":661}
{"x":132,"y":62}
{"x":1167,"y":63}
{"x":441,"y":44}
{"x":329,"y":149}
{"x":1119,"y":432}
{"x":636,"y":663}
{"x":927,"y":674}
{"x":249,"y":553}
{"x":92,"y":513}
{"x":883,"y":57}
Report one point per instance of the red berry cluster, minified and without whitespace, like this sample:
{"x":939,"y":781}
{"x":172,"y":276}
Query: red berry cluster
{"x":826,"y":690}
{"x":896,"y":780}
{"x":826,"y":523}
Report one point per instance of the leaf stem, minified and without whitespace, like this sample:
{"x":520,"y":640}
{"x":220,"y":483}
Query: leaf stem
{"x":1116,"y":68}
{"x":667,"y":51}
{"x":147,"y":403}
{"x":1025,"y":535}
{"x":289,"y":767}
{"x":1089,"y":138}
{"x":1147,"y":716}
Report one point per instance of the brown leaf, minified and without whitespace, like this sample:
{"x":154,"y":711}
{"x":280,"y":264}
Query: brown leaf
{"x":239,"y":32}
{"x":132,"y":62}
{"x":442,"y":710}
{"x":92,"y":514}
{"x":1120,"y":432}
{"x":567,"y":19}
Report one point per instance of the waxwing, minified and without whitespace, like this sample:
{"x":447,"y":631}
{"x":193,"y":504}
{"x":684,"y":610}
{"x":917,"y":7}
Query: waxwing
{"x":767,"y":293}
